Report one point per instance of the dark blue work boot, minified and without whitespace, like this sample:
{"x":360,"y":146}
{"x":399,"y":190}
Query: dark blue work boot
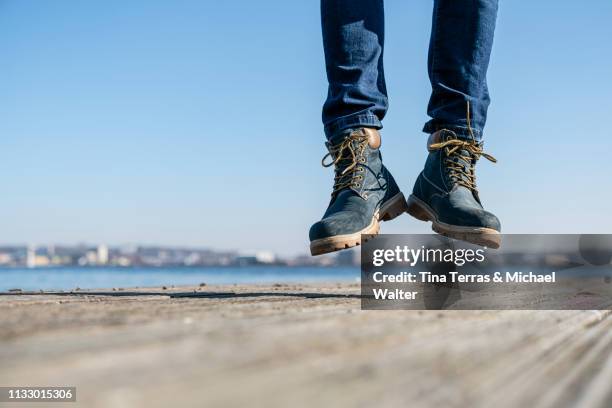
{"x":364,"y":192}
{"x":445,"y":192}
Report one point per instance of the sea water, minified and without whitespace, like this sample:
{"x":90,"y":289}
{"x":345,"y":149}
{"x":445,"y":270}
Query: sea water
{"x":68,"y":278}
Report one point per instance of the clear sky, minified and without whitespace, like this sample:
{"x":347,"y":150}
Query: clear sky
{"x":198,"y":122}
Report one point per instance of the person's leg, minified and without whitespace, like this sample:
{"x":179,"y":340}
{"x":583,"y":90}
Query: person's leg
{"x":445,"y":191}
{"x":353,"y":38}
{"x":364,"y":191}
{"x":459,"y":51}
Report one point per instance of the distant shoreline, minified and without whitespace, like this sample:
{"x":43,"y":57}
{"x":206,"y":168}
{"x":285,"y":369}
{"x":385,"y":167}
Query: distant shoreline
{"x":3,"y":267}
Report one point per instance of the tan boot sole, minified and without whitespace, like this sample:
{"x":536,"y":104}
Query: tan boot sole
{"x":390,"y":210}
{"x":482,"y":236}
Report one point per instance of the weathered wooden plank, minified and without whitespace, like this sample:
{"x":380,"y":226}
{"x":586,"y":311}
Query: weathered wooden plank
{"x":293,"y":345}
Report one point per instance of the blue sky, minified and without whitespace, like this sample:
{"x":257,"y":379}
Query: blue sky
{"x":198,"y":122}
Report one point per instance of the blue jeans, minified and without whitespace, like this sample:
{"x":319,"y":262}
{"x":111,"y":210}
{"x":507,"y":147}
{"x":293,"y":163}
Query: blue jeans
{"x":459,"y":50}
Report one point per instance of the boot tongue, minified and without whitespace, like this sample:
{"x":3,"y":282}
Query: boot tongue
{"x":345,"y":160}
{"x":464,"y":159}
{"x":346,"y":157}
{"x":339,"y":137}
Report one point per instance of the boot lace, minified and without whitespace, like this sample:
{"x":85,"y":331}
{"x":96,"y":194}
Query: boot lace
{"x":348,"y":158}
{"x":457,"y":152}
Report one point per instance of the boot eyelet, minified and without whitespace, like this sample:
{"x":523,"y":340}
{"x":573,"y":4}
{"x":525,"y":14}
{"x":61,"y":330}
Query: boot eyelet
{"x":357,"y":185}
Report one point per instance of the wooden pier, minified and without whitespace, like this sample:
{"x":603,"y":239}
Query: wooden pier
{"x":297,"y":345}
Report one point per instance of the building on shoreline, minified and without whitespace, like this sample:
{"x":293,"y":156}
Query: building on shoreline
{"x":32,"y":256}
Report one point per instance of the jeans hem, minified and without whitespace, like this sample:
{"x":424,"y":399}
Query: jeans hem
{"x":362,"y":119}
{"x":463,"y":132}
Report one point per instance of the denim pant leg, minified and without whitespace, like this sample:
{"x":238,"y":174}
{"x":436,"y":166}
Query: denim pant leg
{"x":353,"y":36}
{"x":459,"y":50}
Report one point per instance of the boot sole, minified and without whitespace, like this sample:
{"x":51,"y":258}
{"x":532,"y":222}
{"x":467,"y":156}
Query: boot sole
{"x":482,"y":236}
{"x":393,"y":208}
